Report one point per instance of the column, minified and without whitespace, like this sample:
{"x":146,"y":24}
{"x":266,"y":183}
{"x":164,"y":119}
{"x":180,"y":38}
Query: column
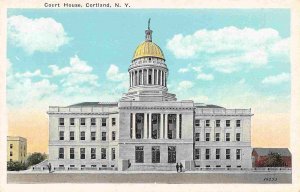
{"x":133,"y":126}
{"x":161,"y":83}
{"x":130,"y":79}
{"x":161,"y":128}
{"x":133,"y":78}
{"x":147,"y":80}
{"x":166,"y":126}
{"x":177,"y":126}
{"x":157,"y":76}
{"x":150,"y":125}
{"x":142,"y":76}
{"x":165,"y":79}
{"x":145,"y":126}
{"x":152,"y":77}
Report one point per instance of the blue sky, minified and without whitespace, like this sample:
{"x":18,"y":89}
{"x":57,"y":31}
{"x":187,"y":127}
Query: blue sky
{"x":214,"y":56}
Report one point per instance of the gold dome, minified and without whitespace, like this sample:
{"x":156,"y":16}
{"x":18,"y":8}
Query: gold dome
{"x":148,"y":49}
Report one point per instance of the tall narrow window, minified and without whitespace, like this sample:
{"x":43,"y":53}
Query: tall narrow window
{"x":82,"y":153}
{"x":72,"y":137}
{"x":103,"y":122}
{"x":139,"y":154}
{"x":197,"y":153}
{"x":207,"y":153}
{"x":72,"y":153}
{"x":207,"y":123}
{"x":197,"y":122}
{"x":227,"y":153}
{"x":61,"y":135}
{"x":113,"y":135}
{"x":218,"y":123}
{"x":93,"y":135}
{"x":227,"y":136}
{"x":72,"y":121}
{"x":61,"y":153}
{"x":238,"y":123}
{"x":11,"y":146}
{"x":155,"y":155}
{"x":103,"y":153}
{"x":139,"y":124}
{"x":82,"y":135}
{"x":131,"y":124}
{"x":217,"y":137}
{"x":103,"y":136}
{"x":238,"y":154}
{"x":61,"y":121}
{"x":218,"y":151}
{"x":227,"y":123}
{"x":93,"y":153}
{"x":113,"y":121}
{"x":180,"y":126}
{"x":197,"y":137}
{"x":113,"y":153}
{"x":238,"y":137}
{"x":11,"y":153}
{"x":93,"y":121}
{"x":82,"y":121}
{"x":207,"y":136}
{"x":171,"y":154}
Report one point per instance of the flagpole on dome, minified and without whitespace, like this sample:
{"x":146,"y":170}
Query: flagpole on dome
{"x":148,"y":32}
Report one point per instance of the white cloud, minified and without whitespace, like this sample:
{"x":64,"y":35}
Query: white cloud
{"x":114,"y":74}
{"x":36,"y":73}
{"x":41,"y":34}
{"x":276,"y":79}
{"x":183,"y":70}
{"x":230,"y":49}
{"x":183,"y":85}
{"x":206,"y":77}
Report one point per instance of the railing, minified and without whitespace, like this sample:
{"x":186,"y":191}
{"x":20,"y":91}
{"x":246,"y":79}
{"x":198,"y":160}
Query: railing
{"x":270,"y":169}
{"x":82,"y":109}
{"x":223,"y":111}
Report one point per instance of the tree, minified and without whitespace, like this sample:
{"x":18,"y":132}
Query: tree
{"x":35,"y":158}
{"x":15,"y":166}
{"x":274,"y":160}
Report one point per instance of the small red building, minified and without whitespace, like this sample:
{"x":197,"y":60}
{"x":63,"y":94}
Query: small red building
{"x":260,"y":155}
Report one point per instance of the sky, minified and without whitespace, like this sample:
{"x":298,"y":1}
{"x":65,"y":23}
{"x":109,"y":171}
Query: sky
{"x":235,"y":58}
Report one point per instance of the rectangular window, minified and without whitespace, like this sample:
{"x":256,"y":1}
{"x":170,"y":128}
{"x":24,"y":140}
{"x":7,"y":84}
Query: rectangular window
{"x":82,"y":121}
{"x":207,"y":123}
{"x":103,"y":122}
{"x":61,"y":121}
{"x":207,"y":136}
{"x":172,"y":154}
{"x":61,"y":135}
{"x":227,"y":136}
{"x":93,"y":153}
{"x":217,"y":137}
{"x":238,"y":123}
{"x":197,"y":137}
{"x":72,"y":136}
{"x":197,"y":122}
{"x":227,"y":123}
{"x":103,"y":136}
{"x":238,"y":154}
{"x":82,"y":153}
{"x":139,"y":154}
{"x":10,"y":153}
{"x":61,"y":153}
{"x":113,"y":121}
{"x":113,"y":153}
{"x":218,"y":166}
{"x":218,"y":152}
{"x":113,"y":135}
{"x":197,"y":153}
{"x":11,"y":146}
{"x":238,"y":137}
{"x":103,"y":153}
{"x":93,"y":121}
{"x":207,"y":153}
{"x":155,"y":155}
{"x":72,"y":153}
{"x":227,"y":153}
{"x":72,"y":121}
{"x":93,"y":136}
{"x":218,"y":123}
{"x":82,"y":135}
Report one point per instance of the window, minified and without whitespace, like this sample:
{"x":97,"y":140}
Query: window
{"x":82,"y":135}
{"x":82,"y":121}
{"x":218,"y":123}
{"x":217,"y":137}
{"x":238,"y":154}
{"x":218,"y":165}
{"x":197,"y":153}
{"x":61,"y":135}
{"x":227,"y":153}
{"x":238,"y":137}
{"x":61,"y":153}
{"x":227,"y":123}
{"x":93,"y":121}
{"x":103,"y":153}
{"x":139,"y":154}
{"x":93,"y":166}
{"x":103,"y":136}
{"x":238,"y":166}
{"x":103,"y":122}
{"x":11,"y":146}
{"x":207,"y":136}
{"x":197,"y":122}
{"x":238,"y":123}
{"x":207,"y":153}
{"x":197,"y":137}
{"x":207,"y":123}
{"x":227,"y":136}
{"x":172,"y":154}
{"x":218,"y":151}
{"x":72,"y":121}
{"x":61,"y":121}
{"x":155,"y":155}
{"x":228,"y":166}
{"x":72,"y":153}
{"x":72,"y":137}
{"x":11,"y":153}
{"x":82,"y":153}
{"x":113,"y":135}
{"x":207,"y":166}
{"x":113,"y":121}
{"x":113,"y":153}
{"x":93,"y":135}
{"x":93,"y":153}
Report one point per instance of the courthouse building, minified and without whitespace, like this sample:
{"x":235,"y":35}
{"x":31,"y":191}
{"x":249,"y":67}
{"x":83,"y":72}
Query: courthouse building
{"x":16,"y":149}
{"x":148,"y":128}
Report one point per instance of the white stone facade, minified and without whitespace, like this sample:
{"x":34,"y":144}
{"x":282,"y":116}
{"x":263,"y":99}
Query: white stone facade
{"x":148,"y":129}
